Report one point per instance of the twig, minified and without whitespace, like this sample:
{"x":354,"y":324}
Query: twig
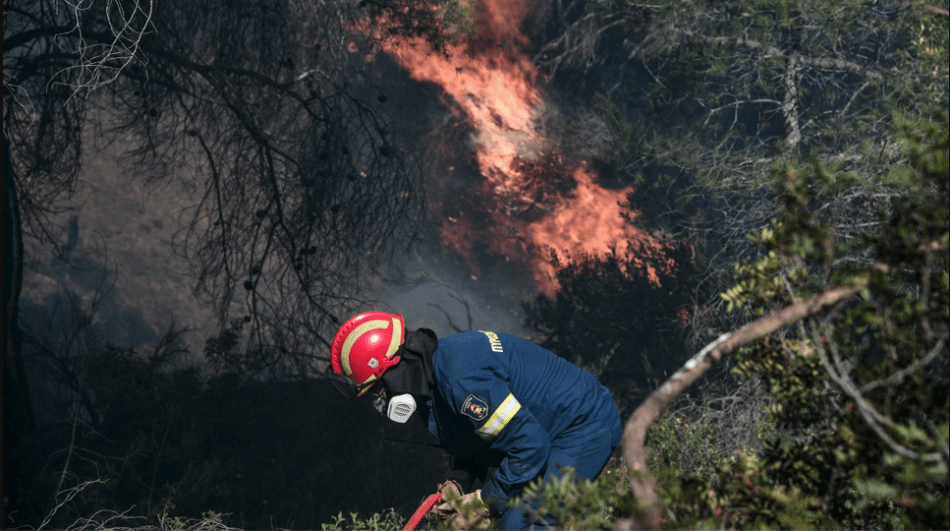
{"x":899,"y":376}
{"x":70,"y":494}
{"x":872,"y":417}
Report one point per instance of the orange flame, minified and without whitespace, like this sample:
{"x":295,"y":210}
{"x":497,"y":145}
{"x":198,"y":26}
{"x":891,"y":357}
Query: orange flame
{"x":493,"y":87}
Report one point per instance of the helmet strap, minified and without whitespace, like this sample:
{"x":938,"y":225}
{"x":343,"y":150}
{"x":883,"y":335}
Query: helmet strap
{"x":414,"y":373}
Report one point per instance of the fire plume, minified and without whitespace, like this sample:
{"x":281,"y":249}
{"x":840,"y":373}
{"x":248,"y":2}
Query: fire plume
{"x":532,"y":202}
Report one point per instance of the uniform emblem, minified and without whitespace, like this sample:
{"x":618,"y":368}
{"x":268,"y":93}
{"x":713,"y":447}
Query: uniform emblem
{"x":475,"y":408}
{"x":373,"y":363}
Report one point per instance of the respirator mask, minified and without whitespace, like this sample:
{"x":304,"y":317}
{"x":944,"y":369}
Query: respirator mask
{"x":409,"y":380}
{"x":397,"y":409}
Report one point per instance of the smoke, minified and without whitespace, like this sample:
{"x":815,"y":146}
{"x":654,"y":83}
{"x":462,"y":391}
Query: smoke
{"x":118,"y":264}
{"x":431,"y":291}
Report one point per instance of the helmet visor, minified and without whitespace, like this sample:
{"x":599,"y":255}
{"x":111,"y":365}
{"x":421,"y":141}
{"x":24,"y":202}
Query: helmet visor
{"x":343,"y":384}
{"x":347,"y":387}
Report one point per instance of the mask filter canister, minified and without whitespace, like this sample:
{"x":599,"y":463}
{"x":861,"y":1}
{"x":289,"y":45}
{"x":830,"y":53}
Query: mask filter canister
{"x":401,"y":407}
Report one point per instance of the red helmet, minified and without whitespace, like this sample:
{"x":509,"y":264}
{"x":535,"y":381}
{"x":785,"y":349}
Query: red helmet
{"x":364,"y":347}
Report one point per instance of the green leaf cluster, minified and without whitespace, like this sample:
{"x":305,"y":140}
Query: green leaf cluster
{"x":385,"y":521}
{"x":568,"y":503}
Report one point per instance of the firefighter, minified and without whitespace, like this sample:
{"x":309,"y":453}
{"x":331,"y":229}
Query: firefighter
{"x":494,"y":401}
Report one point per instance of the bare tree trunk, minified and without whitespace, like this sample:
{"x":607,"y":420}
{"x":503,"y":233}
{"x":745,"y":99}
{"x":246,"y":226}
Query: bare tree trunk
{"x":790,"y":105}
{"x":17,"y":410}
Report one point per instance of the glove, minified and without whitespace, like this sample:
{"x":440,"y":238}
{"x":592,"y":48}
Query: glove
{"x":473,"y":513}
{"x":464,"y":511}
{"x":451,"y":491}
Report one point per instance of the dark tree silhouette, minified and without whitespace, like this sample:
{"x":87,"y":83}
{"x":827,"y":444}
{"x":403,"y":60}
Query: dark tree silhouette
{"x":261,"y":109}
{"x":18,"y":425}
{"x":141,"y":435}
{"x":611,"y":319}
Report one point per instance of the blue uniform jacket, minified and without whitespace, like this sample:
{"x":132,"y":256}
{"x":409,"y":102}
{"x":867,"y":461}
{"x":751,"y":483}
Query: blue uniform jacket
{"x":503,"y":401}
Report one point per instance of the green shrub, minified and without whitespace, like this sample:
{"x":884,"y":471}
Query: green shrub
{"x":388,"y":520}
{"x":852,"y":426}
{"x":585,"y":504}
{"x":859,"y":393}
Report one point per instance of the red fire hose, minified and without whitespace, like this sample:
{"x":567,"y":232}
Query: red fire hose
{"x":417,"y":516}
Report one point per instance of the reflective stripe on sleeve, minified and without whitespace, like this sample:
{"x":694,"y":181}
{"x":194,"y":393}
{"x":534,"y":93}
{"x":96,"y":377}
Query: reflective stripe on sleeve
{"x":497,"y":422}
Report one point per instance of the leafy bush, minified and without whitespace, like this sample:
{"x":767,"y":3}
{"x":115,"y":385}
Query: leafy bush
{"x":851,"y":428}
{"x":859,"y":393}
{"x":386,"y":521}
{"x":699,"y":436}
{"x":570,"y":504}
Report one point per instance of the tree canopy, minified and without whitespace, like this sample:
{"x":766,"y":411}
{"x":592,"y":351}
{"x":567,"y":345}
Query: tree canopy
{"x":701,"y":98}
{"x":261,"y":108}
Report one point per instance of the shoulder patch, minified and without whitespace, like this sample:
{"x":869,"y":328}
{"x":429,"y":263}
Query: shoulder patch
{"x":475,"y":408}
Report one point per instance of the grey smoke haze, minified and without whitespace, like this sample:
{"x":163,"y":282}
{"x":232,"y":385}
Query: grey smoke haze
{"x":118,"y":247}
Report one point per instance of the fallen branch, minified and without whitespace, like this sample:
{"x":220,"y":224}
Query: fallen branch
{"x":642,"y":481}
